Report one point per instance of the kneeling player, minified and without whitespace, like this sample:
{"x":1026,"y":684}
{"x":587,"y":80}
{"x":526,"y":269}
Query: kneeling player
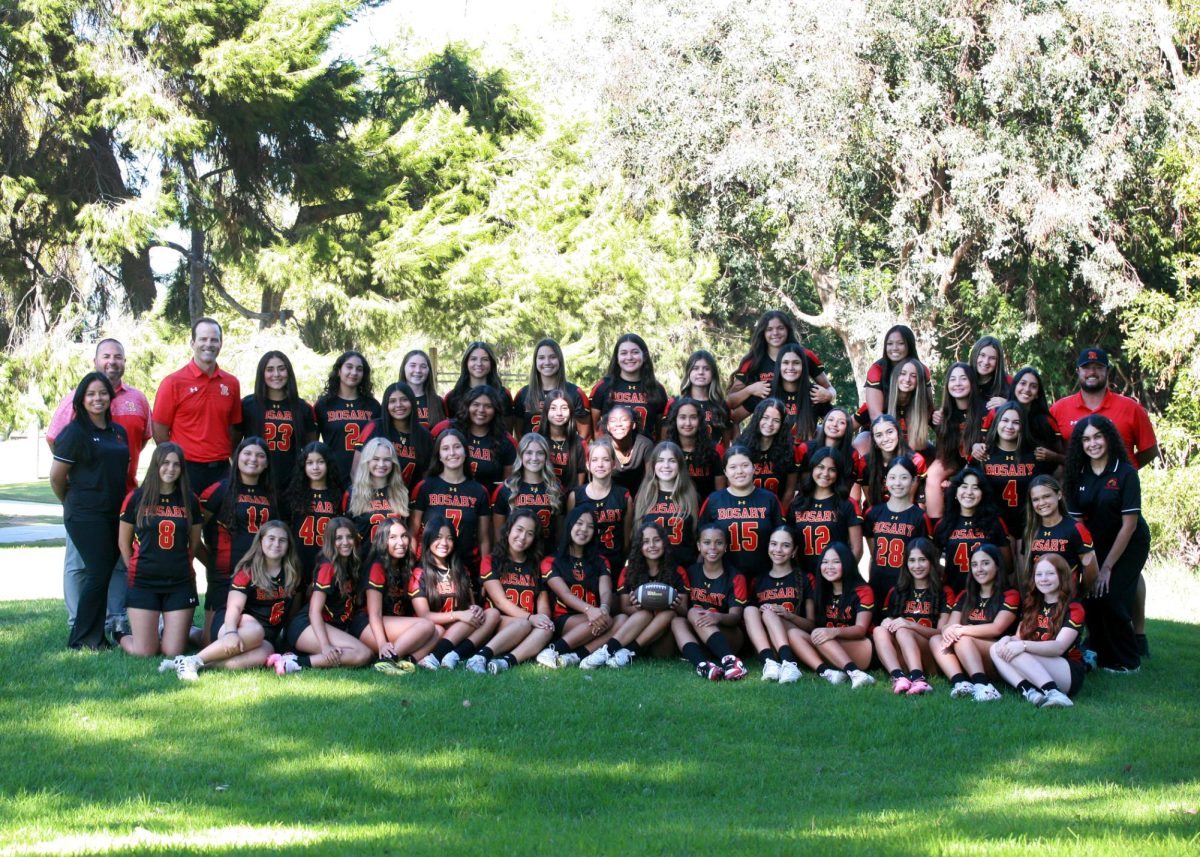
{"x":717,"y":594}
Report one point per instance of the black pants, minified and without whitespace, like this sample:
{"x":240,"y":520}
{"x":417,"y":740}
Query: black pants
{"x":1110,"y":618}
{"x":201,"y":474}
{"x":96,"y":541}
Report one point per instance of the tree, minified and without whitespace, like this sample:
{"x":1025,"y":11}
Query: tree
{"x":898,"y":159}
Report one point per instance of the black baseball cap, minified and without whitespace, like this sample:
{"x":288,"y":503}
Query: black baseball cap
{"x":1092,"y":355}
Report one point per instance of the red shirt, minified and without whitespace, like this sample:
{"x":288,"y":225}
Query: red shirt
{"x":129,"y":410}
{"x":198,"y":410}
{"x":1130,"y":418}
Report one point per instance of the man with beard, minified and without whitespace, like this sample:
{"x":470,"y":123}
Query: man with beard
{"x":1132,"y":423}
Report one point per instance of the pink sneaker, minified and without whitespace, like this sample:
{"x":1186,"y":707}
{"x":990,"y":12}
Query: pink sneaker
{"x":901,"y":685}
{"x":273,"y":662}
{"x":919,"y":687}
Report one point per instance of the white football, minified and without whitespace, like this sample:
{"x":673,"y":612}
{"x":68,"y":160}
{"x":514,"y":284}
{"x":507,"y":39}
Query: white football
{"x":655,"y":596}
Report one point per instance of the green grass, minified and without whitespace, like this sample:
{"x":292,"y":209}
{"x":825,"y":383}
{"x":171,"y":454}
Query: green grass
{"x":38,"y":491}
{"x":102,"y":752}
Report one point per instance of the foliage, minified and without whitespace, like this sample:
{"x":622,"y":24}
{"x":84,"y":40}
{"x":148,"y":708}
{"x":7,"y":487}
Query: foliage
{"x":1169,"y":507}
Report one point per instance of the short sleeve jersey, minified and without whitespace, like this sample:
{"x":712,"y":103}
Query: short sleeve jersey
{"x":718,"y":594}
{"x":130,"y":409}
{"x":959,"y":539}
{"x":680,"y":528}
{"x":1070,"y":539}
{"x":463,"y":503}
{"x":534,"y":497}
{"x":379,"y":509}
{"x":529,"y":414}
{"x":487,"y":456}
{"x":923,"y":606}
{"x":341,"y":423}
{"x":789,"y":592}
{"x":162,"y":555}
{"x":268,"y":606}
{"x":395,"y":592}
{"x":582,"y":578}
{"x":414,"y":448}
{"x":284,"y":426}
{"x":610,"y":521}
{"x":444,"y":586}
{"x":228,"y":544}
{"x":842,"y":610}
{"x":888,"y":534}
{"x":309,"y":523}
{"x":634,"y":395}
{"x":748,"y":522}
{"x":1008,"y":476}
{"x":1008,"y":601}
{"x":822,"y":523}
{"x":99,"y":460}
{"x":340,"y":604}
{"x":521,"y":582}
{"x":1073,"y":618}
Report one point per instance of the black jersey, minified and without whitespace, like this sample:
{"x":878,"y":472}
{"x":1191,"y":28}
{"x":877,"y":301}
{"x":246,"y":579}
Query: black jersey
{"x":464,"y":504}
{"x":748,"y":522}
{"x":789,"y":592}
{"x":923,"y":606}
{"x":453,"y":399}
{"x":959,"y":539}
{"x":1069,"y":539}
{"x":704,"y":466}
{"x":444,"y":585}
{"x":1073,"y":617}
{"x":268,"y":606}
{"x":529,"y":414}
{"x":842,"y":610}
{"x":342,"y":422}
{"x":521,"y":582}
{"x":99,"y":460}
{"x":284,"y":426}
{"x":646,"y":403}
{"x":610,"y":521}
{"x":771,"y":474}
{"x":309,"y":523}
{"x":716,"y":594}
{"x":1008,"y":476}
{"x":582,"y":577}
{"x":681,"y":529}
{"x":414,"y":448}
{"x":162,"y":554}
{"x":888,"y":534}
{"x":340,"y":603}
{"x":227,"y":544}
{"x":536,"y":498}
{"x":567,"y":461}
{"x":423,"y":416}
{"x":395,"y":592}
{"x":379,"y":509}
{"x":749,"y":372}
{"x":818,"y":525}
{"x":987,"y":608}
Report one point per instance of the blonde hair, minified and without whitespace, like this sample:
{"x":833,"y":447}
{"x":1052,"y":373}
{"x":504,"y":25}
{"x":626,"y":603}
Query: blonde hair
{"x":256,"y":564}
{"x":360,"y":483}
{"x":553,"y":487}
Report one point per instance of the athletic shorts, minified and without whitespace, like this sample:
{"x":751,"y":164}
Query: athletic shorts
{"x":218,"y":593}
{"x":271,"y":633}
{"x":1077,"y":672}
{"x":357,"y":624}
{"x":182,"y":597}
{"x":560,"y":622}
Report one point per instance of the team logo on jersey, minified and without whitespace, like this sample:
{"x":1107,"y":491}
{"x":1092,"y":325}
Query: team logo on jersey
{"x":1112,"y":484}
{"x":193,"y":389}
{"x":224,"y":390}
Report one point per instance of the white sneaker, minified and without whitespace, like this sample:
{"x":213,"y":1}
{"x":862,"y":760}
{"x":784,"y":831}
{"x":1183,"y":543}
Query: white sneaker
{"x":570,"y":659}
{"x":985,"y":693}
{"x":451,"y":660}
{"x":858,"y":679}
{"x":770,"y":670}
{"x":496,"y":666}
{"x":429,"y":662}
{"x":962,"y":690}
{"x":1056,"y":699}
{"x":789,"y":672}
{"x":477,"y":664}
{"x":1034,"y":695}
{"x":621,"y":659}
{"x":188,"y":668}
{"x":833,"y":676}
{"x":548,"y":658}
{"x":167,"y":665}
{"x":596,"y":659}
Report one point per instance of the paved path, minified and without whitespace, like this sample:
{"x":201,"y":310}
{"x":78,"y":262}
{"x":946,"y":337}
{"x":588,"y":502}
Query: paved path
{"x":30,"y":532}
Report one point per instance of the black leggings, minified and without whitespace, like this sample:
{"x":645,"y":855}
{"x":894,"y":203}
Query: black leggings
{"x":1110,"y":618}
{"x":96,"y":541}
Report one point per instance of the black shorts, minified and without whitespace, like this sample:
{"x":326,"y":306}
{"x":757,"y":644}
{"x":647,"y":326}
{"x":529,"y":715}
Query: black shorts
{"x":357,"y":624}
{"x":560,"y":622}
{"x":271,"y":633}
{"x":202,"y":474}
{"x":218,"y":593}
{"x":1077,"y":672}
{"x":182,"y":597}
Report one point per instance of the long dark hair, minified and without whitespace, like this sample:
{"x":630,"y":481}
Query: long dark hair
{"x":501,"y":561}
{"x":418,"y":435}
{"x":463,"y":384}
{"x":1038,"y":410}
{"x":1077,"y":461}
{"x":458,"y":572}
{"x":575,"y":449}
{"x":910,"y":342}
{"x":77,"y":400}
{"x":398,"y":572}
{"x":715,"y":391}
{"x":535,"y":394}
{"x":1025,"y":441}
{"x":851,"y":578}
{"x":987,"y":513}
{"x":841,"y":488}
{"x":462,"y":416}
{"x":591,"y":551}
{"x":805,"y":422}
{"x":435,"y":460}
{"x":877,"y":467}
{"x":781,"y":453}
{"x":637,"y":570}
{"x":905,"y":586}
{"x":152,"y":483}
{"x":705,"y":454}
{"x":266,"y":482}
{"x":758,"y":338}
{"x":952,"y":437}
{"x":998,"y":385}
{"x":291,"y":393}
{"x":298,"y":489}
{"x":656,"y":394}
{"x":333,"y":384}
{"x":971,"y":592}
{"x":845,"y":446}
{"x":347,"y":571}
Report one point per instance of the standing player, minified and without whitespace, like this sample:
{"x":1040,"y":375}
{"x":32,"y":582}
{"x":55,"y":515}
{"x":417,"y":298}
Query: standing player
{"x":480,"y":369}
{"x":491,"y":451}
{"x":899,"y":345}
{"x":959,"y":424}
{"x":412,"y":441}
{"x":566,"y":447}
{"x":276,"y":413}
{"x":791,"y":386}
{"x":751,"y":382}
{"x":987,"y":359}
{"x":317,"y":496}
{"x":417,"y":371}
{"x":630,"y":381}
{"x":347,"y":407}
{"x":888,"y":442}
{"x":702,"y":384}
{"x":198,"y":407}
{"x":548,"y":373}
{"x":890,"y":526}
{"x":611,"y":504}
{"x":631,"y":448}
{"x":823,"y":513}
{"x":772,"y":449}
{"x":747,"y":515}
{"x":717,"y":596}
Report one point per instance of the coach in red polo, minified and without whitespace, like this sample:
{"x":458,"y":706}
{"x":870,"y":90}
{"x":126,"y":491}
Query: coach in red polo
{"x":198,"y":407}
{"x":1132,"y":423}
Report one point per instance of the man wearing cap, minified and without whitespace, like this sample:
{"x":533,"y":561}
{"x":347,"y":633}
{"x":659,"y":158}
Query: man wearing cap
{"x":132,"y":411}
{"x":1132,"y":423}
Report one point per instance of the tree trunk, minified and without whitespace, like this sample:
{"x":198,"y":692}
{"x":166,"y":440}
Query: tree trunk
{"x":138,"y":280}
{"x":196,"y":276}
{"x":136,"y":276}
{"x":272,"y":304}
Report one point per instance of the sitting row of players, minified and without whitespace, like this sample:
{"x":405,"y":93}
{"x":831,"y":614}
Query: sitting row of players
{"x":563,"y":610}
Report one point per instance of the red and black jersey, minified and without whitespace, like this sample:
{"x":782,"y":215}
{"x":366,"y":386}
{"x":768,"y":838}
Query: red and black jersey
{"x":789,"y":592}
{"x":647,"y":408}
{"x":819,"y":525}
{"x":677,"y":580}
{"x":1070,"y":539}
{"x":770,"y":473}
{"x":610,"y":521}
{"x":309,"y":523}
{"x":268,"y":606}
{"x":342,"y":422}
{"x":284,"y":426}
{"x":340,"y":602}
{"x":704,"y":466}
{"x":718,"y":594}
{"x":581,"y":576}
{"x":681,"y":529}
{"x":791,"y":408}
{"x":888,"y":534}
{"x":806,"y":449}
{"x":959,"y":539}
{"x":923,"y":606}
{"x":414,"y":448}
{"x":987,"y":608}
{"x":521,"y":582}
{"x":842,"y":610}
{"x":529,"y":414}
{"x":444,"y":585}
{"x":487,"y":456}
{"x":534,"y":497}
{"x":1008,"y":476}
{"x":395,"y":592}
{"x":464,"y":504}
{"x":860,"y":476}
{"x":748,"y":523}
{"x":567,"y":461}
{"x":716,"y":415}
{"x":1072,"y":618}
{"x":423,"y":416}
{"x":228,"y":544}
{"x":379,"y":509}
{"x":162,"y":554}
{"x":749,"y":372}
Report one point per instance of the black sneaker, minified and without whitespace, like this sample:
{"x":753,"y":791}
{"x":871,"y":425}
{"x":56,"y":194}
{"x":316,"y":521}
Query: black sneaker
{"x":1143,"y":645}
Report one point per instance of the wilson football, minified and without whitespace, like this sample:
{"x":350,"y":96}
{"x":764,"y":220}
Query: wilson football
{"x":655,"y":596}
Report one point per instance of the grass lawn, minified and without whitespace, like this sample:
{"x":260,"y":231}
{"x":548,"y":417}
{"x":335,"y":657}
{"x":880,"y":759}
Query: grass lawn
{"x":100,"y":752}
{"x":38,"y":491}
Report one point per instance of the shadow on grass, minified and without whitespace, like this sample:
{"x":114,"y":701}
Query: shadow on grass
{"x":650,"y":759}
